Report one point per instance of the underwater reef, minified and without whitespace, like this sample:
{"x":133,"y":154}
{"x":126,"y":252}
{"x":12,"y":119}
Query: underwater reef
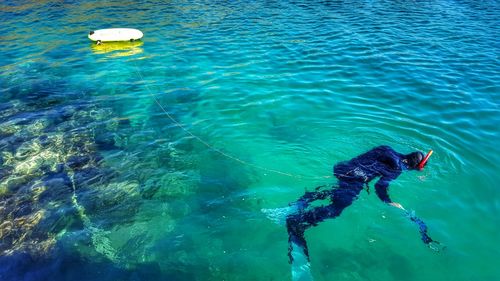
{"x":79,"y":182}
{"x":50,"y":143}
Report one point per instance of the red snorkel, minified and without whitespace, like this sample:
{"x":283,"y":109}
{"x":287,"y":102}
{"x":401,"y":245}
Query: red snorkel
{"x":424,"y":161}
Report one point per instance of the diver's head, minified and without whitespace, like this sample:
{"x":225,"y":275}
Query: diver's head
{"x":413,"y":160}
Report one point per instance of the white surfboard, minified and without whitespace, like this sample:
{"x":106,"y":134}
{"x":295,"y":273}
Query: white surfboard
{"x":115,"y":35}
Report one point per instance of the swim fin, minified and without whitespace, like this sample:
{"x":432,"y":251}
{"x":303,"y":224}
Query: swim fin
{"x":301,"y":267}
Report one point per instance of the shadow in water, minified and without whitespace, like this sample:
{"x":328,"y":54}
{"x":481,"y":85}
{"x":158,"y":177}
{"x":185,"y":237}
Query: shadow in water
{"x":117,"y":49}
{"x":63,"y":265}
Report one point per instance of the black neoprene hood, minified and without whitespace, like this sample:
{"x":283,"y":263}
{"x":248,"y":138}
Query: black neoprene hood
{"x":414,"y":159}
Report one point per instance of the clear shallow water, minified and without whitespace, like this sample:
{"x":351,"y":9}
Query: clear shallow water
{"x":287,"y":86}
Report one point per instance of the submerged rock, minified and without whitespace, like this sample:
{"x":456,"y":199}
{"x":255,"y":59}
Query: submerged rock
{"x":22,"y":208}
{"x":57,"y":187}
{"x":60,"y":218}
{"x":38,"y":126}
{"x":12,"y":142}
{"x":6,"y":109}
{"x":48,"y":154}
{"x":149,"y":190}
{"x":30,"y":159}
{"x":87,"y":177}
{"x":54,"y":182}
{"x":13,"y":183}
{"x":18,"y":234}
{"x":170,"y":185}
{"x":105,"y":141}
{"x":77,"y":161}
{"x":110,"y":204}
{"x":66,"y":112}
{"x":5,"y":171}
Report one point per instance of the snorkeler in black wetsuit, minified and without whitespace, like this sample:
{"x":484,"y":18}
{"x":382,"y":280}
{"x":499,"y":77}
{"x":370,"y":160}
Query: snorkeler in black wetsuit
{"x":353,"y":175}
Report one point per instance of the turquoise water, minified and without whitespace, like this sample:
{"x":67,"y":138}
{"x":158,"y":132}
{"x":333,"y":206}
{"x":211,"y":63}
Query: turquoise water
{"x":153,"y":160}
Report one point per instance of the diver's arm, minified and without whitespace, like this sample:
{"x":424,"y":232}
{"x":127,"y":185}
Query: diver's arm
{"x":382,"y":190}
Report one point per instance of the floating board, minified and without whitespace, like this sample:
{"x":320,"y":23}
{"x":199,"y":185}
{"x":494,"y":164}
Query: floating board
{"x":115,"y":35}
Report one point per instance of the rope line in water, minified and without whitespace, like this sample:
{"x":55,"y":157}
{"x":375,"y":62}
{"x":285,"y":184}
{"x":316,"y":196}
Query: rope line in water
{"x":100,"y":241}
{"x":209,"y":146}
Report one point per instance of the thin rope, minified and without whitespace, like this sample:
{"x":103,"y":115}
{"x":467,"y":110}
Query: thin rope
{"x":209,"y":146}
{"x":100,"y":241}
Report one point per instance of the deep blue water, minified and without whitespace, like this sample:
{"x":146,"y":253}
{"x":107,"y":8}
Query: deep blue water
{"x":152,"y":160}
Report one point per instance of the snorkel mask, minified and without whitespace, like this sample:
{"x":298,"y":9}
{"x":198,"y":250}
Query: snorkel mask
{"x":424,"y":161}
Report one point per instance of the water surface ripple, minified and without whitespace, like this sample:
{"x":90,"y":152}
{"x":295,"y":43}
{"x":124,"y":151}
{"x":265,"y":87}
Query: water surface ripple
{"x":262,"y":97}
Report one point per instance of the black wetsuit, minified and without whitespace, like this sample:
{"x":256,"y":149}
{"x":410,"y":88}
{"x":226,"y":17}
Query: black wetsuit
{"x":381,"y":162}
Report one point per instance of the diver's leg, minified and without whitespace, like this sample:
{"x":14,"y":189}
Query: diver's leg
{"x":299,"y":257}
{"x":341,"y":199}
{"x":298,"y":252}
{"x":279,"y":215}
{"x":297,"y":224}
{"x":311,"y":196}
